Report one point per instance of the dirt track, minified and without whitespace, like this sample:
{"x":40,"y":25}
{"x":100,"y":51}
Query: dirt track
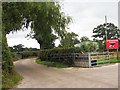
{"x":40,"y":76}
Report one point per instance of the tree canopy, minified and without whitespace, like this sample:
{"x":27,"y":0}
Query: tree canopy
{"x":84,"y":38}
{"x":69,"y":40}
{"x":112,"y":31}
{"x":42,"y":17}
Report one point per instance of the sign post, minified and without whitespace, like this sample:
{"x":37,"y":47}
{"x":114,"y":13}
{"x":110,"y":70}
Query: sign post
{"x":117,"y":54}
{"x":112,"y":44}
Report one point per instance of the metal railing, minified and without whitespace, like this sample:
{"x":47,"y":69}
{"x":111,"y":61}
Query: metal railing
{"x":98,"y":59}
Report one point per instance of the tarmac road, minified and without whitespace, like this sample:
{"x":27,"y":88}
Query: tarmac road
{"x":40,"y":76}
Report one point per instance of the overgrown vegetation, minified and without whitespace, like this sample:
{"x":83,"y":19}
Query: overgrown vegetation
{"x":9,"y":76}
{"x":10,"y":80}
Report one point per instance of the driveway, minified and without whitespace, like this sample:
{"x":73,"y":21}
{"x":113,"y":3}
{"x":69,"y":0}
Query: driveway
{"x":40,"y":76}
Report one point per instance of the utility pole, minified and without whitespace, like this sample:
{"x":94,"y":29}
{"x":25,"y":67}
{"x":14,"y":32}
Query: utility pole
{"x":106,"y":31}
{"x":106,"y":26}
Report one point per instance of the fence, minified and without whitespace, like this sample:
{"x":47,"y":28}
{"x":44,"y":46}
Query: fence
{"x":98,"y":59}
{"x":81,"y":60}
{"x":84,"y":60}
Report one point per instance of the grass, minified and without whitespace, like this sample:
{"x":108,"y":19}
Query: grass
{"x":111,"y":61}
{"x":52,"y":64}
{"x":10,"y":80}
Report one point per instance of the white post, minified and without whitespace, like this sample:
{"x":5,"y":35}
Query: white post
{"x":89,"y":56}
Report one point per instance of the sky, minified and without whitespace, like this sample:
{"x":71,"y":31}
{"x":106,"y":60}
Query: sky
{"x":86,"y":15}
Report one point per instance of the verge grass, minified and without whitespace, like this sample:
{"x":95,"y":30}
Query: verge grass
{"x":10,"y":80}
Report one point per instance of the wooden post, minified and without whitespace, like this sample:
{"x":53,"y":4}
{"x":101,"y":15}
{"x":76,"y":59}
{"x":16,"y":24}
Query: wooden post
{"x":117,"y":54}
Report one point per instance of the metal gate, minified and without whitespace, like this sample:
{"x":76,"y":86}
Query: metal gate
{"x":91,"y":59}
{"x":99,"y":58}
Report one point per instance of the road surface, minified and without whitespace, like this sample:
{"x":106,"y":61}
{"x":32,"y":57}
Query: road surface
{"x":40,"y":76}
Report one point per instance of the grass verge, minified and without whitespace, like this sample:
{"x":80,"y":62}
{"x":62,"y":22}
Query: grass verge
{"x":111,"y":61}
{"x":10,"y":80}
{"x":52,"y":64}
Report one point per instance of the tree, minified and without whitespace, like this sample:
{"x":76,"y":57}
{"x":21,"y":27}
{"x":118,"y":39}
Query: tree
{"x":50,"y":42}
{"x":89,"y":46}
{"x":69,"y":40}
{"x":112,"y":31}
{"x":84,"y":38}
{"x":18,"y":48}
{"x":48,"y":18}
{"x":100,"y":33}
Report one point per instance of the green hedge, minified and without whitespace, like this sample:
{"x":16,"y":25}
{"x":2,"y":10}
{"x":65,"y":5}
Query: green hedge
{"x":60,"y":54}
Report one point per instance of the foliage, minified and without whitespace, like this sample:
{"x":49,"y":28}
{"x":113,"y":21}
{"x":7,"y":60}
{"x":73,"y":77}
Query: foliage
{"x":14,"y":56}
{"x":7,"y":62}
{"x":101,"y":45}
{"x":84,"y":38}
{"x":89,"y":46}
{"x":48,"y":18}
{"x":49,"y":42}
{"x":13,"y":16}
{"x":112,"y":31}
{"x":42,"y":17}
{"x":52,"y":64}
{"x":10,"y":80}
{"x":69,"y":40}
{"x":20,"y":48}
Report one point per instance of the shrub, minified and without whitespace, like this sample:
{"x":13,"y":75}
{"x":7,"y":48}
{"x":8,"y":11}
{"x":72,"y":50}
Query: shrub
{"x":89,"y":46}
{"x":14,"y":56}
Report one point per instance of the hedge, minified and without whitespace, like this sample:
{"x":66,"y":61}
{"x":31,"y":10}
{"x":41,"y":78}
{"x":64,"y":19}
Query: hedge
{"x":61,"y":55}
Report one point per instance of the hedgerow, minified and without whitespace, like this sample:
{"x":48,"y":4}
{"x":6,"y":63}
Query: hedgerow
{"x":27,"y":54}
{"x":61,"y":55}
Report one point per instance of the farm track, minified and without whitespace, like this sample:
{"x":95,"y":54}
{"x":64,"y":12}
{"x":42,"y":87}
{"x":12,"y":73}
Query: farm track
{"x":40,"y":76}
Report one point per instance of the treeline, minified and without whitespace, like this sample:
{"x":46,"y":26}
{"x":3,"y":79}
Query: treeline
{"x":21,"y":48}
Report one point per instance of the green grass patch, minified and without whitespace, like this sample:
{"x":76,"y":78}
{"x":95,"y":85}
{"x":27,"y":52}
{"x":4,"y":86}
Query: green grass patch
{"x":106,"y":61}
{"x":10,"y":80}
{"x":52,"y":64}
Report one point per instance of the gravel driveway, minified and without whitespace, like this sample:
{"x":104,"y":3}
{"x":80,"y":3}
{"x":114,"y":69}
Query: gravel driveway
{"x":40,"y":76}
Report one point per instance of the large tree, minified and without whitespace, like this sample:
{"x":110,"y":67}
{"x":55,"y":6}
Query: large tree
{"x":49,"y":18}
{"x":112,"y":31}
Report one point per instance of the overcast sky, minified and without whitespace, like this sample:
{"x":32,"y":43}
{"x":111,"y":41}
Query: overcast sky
{"x":86,"y":16}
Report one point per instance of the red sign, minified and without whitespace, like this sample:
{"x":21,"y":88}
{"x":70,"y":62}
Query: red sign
{"x":112,"y":43}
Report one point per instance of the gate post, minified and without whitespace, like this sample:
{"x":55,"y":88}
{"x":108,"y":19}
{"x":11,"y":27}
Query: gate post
{"x":89,"y":57}
{"x":109,"y":56}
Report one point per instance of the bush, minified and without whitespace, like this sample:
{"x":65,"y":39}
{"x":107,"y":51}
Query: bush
{"x":14,"y":56}
{"x":61,"y":55}
{"x":89,"y":46}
